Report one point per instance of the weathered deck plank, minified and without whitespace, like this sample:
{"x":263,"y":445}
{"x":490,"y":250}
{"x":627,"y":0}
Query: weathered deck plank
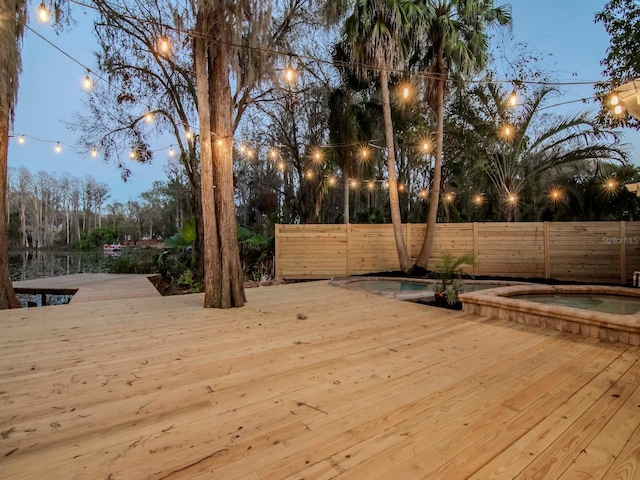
{"x":306,"y":381}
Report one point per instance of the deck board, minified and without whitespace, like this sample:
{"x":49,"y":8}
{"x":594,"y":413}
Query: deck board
{"x":306,"y":381}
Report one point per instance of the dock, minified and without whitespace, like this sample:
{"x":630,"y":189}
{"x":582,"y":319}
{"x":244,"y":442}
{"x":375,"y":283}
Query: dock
{"x":306,"y":381}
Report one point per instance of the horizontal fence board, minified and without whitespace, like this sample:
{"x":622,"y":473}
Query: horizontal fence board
{"x":578,"y":251}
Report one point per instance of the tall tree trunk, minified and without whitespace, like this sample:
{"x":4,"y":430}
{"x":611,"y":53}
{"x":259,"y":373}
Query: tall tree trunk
{"x":223,"y":276}
{"x":394,"y":202}
{"x":434,"y":197}
{"x":9,"y":67}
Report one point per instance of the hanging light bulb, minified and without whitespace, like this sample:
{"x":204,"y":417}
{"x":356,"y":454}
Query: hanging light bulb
{"x":43,"y":13}
{"x":478,"y":199}
{"x":219,"y":142}
{"x":423,"y":193}
{"x":164,"y":47}
{"x":289,"y":74}
{"x":401,"y":187}
{"x":87,"y":83}
{"x":94,"y":152}
{"x":426,"y":146}
{"x":448,"y":197}
{"x":555,"y":194}
{"x":132,"y":155}
{"x":273,"y":154}
{"x":148,"y":117}
{"x":309,"y":174}
{"x":406,"y":92}
{"x":614,"y":100}
{"x":618,"y":109}
{"x":371,"y":185}
{"x":513,"y":99}
{"x":250,"y":153}
{"x":332,"y":181}
{"x":188,"y":135}
{"x":317,"y":156}
{"x":58,"y":147}
{"x":21,"y":139}
{"x":171,"y":152}
{"x":364,"y":153}
{"x":512,"y":198}
{"x":385,"y":184}
{"x":242,"y":149}
{"x":281,"y":166}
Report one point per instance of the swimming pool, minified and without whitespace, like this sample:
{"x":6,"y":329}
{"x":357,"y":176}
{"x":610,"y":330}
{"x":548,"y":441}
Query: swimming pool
{"x":409,"y":288}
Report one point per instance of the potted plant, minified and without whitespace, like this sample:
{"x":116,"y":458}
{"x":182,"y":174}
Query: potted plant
{"x":449,"y":281}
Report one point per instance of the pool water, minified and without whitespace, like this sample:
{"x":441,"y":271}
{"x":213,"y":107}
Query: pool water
{"x":391,"y":286}
{"x":600,"y":303}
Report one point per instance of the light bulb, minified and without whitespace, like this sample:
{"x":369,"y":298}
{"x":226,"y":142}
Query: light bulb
{"x":614,"y":100}
{"x":289,"y":74}
{"x":94,"y":152}
{"x":405,"y":93}
{"x":148,"y":117}
{"x":171,"y":152}
{"x":58,"y":147}
{"x":423,"y":193}
{"x":132,"y":154}
{"x":426,"y":146}
{"x":332,"y":181}
{"x":188,"y":134}
{"x":617,"y":109}
{"x":273,"y":153}
{"x":513,"y":99}
{"x":87,"y":83}
{"x":43,"y":13}
{"x":164,"y":47}
{"x":371,"y":185}
{"x":219,"y":142}
{"x":281,"y":166}
{"x":21,"y":139}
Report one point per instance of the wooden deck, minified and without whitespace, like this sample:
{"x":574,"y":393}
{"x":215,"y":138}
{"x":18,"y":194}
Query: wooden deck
{"x":307,"y":381}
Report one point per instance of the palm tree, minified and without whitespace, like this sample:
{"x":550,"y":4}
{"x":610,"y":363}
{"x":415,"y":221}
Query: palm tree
{"x":516,"y":161}
{"x":13,"y":15}
{"x":456,"y":32}
{"x":377,"y":32}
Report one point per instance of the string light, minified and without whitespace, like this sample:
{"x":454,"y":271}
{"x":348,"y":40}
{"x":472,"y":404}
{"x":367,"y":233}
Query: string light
{"x":332,"y":181}
{"x":309,"y":174}
{"x":317,"y":156}
{"x":555,"y":194}
{"x":43,"y":13}
{"x":614,"y":100}
{"x":289,"y":74}
{"x":273,"y":153}
{"x":618,"y":109}
{"x":219,"y":142}
{"x":512,"y":198}
{"x":171,"y":152}
{"x":353,"y":183}
{"x":513,"y":99}
{"x":58,"y":147}
{"x":132,"y":155}
{"x":21,"y":139}
{"x":423,"y":193}
{"x":401,"y":187}
{"x":281,"y":166}
{"x":188,"y":134}
{"x":448,"y":197}
{"x":249,"y":153}
{"x":371,"y":185}
{"x":364,"y":153}
{"x":610,"y":184}
{"x":87,"y":83}
{"x":478,"y":199}
{"x":94,"y":152}
{"x":164,"y":47}
{"x":426,"y":146}
{"x":406,"y":92}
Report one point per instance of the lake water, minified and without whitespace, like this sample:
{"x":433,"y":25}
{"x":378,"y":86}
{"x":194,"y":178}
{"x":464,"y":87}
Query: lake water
{"x":39,"y":264}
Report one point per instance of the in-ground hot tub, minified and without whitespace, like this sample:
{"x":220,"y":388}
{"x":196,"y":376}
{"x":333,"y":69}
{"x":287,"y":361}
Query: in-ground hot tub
{"x":608,"y":313}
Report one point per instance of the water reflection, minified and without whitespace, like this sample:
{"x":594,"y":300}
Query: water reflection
{"x":39,"y":264}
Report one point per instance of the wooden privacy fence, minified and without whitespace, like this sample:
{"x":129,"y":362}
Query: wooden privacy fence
{"x":596,"y":252}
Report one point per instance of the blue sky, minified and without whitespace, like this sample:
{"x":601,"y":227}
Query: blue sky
{"x":51,"y":86}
